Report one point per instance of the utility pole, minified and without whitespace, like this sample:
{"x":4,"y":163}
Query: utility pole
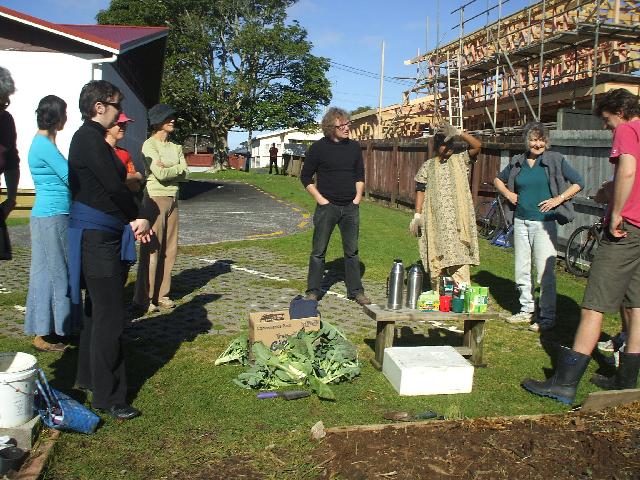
{"x":426,"y":43}
{"x":381,"y":89}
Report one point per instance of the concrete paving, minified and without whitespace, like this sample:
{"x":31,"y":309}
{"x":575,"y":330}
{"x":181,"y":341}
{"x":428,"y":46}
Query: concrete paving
{"x":214,"y":212}
{"x":214,"y":295}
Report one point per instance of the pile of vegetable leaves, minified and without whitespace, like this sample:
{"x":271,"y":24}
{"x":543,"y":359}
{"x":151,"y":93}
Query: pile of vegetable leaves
{"x":310,"y":359}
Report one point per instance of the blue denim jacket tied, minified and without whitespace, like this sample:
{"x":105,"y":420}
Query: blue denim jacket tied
{"x":81,"y":218}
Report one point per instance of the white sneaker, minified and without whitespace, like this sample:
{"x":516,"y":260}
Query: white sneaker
{"x":616,"y":355}
{"x":166,"y":303}
{"x":542,"y":325}
{"x":606,"y":346}
{"x":138,"y":310}
{"x":521,"y":317}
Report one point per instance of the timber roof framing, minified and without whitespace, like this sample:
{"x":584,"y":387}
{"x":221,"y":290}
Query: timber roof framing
{"x":564,"y":42}
{"x":525,"y":26}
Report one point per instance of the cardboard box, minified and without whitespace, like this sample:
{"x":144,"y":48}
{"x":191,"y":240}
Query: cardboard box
{"x":431,"y":370}
{"x":476,"y":299}
{"x":273,"y":328}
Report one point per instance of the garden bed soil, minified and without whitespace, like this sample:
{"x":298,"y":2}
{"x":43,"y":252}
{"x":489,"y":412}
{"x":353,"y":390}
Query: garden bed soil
{"x":595,"y":445}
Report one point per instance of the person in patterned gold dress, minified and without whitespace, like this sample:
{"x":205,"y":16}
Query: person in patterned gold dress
{"x":444,"y":209}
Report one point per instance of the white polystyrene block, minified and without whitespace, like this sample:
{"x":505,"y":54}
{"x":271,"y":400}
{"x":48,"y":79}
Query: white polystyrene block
{"x":427,"y":370}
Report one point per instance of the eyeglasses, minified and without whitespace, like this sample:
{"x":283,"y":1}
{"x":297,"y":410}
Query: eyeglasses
{"x":343,"y":125}
{"x":116,"y":105}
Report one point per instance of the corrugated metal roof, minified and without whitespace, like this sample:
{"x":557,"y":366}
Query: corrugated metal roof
{"x":112,"y":38}
{"x":124,"y":36}
{"x":297,"y":149}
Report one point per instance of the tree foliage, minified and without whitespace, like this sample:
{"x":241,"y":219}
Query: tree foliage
{"x":232,"y":63}
{"x":361,"y":109}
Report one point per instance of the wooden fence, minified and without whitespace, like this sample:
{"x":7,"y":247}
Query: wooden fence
{"x":390,"y":168}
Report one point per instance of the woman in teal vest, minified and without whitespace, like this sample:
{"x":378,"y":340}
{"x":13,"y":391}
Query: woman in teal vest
{"x":537,"y":185}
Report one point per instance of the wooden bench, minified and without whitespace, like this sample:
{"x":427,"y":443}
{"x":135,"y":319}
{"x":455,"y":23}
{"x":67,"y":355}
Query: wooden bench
{"x":473,"y":336}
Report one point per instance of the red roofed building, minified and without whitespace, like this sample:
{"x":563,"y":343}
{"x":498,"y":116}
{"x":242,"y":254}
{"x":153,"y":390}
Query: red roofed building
{"x":48,"y":58}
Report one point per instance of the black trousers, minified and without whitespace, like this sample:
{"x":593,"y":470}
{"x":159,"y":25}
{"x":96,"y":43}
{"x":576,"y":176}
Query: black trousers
{"x":325,"y":219}
{"x":286,"y":159}
{"x":273,"y":162}
{"x":101,"y":365}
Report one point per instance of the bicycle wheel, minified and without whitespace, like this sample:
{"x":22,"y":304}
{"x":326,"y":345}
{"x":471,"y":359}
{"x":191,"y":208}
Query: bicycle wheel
{"x":581,"y":248}
{"x":489,"y":222}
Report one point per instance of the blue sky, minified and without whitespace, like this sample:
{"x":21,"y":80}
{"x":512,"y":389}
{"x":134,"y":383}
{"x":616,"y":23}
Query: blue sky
{"x":349,"y":32}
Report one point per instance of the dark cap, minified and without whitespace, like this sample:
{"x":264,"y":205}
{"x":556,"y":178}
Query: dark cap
{"x":159,"y":113}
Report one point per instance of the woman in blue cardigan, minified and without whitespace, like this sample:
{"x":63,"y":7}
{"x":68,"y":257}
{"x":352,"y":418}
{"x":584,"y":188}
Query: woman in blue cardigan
{"x":49,"y":313}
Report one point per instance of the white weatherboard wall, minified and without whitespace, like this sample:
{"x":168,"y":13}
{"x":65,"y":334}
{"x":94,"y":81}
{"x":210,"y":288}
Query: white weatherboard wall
{"x":431,"y":370}
{"x":37,"y":74}
{"x":262,"y":144}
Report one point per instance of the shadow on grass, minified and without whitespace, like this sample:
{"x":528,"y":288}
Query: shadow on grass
{"x":152,"y":342}
{"x":191,"y":279}
{"x":406,"y":336}
{"x":148,"y":344}
{"x":503,"y":290}
{"x":334,"y":273}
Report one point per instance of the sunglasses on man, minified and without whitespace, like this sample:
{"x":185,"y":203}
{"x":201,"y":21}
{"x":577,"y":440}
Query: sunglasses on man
{"x":116,"y":105}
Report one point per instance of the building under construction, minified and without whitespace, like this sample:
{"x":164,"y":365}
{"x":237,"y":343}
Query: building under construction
{"x":552,"y":55}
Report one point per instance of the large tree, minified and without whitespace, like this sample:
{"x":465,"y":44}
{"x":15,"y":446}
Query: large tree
{"x":232,"y":63}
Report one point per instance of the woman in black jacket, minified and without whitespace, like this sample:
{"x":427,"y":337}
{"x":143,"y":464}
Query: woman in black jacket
{"x":102,"y":232}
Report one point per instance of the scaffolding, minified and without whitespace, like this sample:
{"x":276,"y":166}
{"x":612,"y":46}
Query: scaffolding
{"x":553,"y":53}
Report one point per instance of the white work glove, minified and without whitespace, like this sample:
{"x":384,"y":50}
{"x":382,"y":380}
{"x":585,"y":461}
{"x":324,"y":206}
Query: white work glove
{"x":414,"y":225}
{"x":449,"y":131}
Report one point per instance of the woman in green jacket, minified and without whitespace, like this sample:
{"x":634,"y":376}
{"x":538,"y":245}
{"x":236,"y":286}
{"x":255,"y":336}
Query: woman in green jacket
{"x":165,"y":167}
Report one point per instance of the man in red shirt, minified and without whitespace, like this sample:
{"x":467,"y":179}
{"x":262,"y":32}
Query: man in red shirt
{"x":614,"y":278}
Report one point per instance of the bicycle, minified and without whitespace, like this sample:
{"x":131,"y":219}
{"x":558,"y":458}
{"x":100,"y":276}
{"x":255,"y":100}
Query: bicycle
{"x":581,"y":248}
{"x":494,"y":221}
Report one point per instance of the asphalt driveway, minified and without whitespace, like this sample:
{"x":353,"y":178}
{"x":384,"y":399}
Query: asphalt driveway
{"x":215,"y":211}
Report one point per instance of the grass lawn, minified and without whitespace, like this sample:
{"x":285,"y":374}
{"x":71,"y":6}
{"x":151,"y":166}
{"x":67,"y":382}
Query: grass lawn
{"x":14,"y":221}
{"x":197,"y":424}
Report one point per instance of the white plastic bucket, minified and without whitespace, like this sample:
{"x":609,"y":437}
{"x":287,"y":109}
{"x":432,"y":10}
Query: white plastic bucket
{"x":17,"y":388}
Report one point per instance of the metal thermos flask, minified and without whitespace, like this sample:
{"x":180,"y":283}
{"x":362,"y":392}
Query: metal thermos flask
{"x":414,"y":285}
{"x":395,"y":283}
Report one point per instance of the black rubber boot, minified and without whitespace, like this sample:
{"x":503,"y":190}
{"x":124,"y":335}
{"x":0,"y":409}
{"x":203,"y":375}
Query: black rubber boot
{"x":562,"y":385}
{"x":626,"y":376}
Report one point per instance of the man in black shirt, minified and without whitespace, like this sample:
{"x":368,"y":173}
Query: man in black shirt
{"x":337,"y":163}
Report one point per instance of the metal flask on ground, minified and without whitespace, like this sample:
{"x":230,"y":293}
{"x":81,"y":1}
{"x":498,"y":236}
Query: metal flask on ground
{"x":414,"y":285}
{"x":395,"y":283}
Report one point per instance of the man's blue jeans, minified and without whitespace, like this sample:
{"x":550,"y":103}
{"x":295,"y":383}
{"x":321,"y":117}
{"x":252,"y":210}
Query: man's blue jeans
{"x":325,"y":218}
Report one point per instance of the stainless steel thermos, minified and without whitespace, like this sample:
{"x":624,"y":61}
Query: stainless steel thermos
{"x":414,"y":285}
{"x":395,"y":283}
